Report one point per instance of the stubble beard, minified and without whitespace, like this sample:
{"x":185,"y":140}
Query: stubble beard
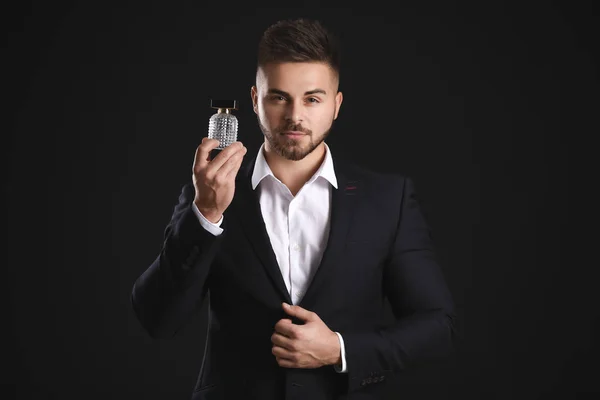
{"x":289,"y":148}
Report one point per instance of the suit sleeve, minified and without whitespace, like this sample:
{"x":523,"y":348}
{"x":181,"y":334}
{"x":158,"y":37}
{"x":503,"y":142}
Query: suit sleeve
{"x":419,"y":298}
{"x":175,"y":284}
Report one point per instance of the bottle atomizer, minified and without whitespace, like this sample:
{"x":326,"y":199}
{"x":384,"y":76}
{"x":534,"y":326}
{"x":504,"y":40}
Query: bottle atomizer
{"x":223,"y":125}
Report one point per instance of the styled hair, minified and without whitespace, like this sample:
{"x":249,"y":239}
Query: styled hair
{"x":299,"y":40}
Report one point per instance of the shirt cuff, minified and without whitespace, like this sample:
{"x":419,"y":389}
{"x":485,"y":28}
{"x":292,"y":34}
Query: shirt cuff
{"x":343,"y":356}
{"x":214,"y":228}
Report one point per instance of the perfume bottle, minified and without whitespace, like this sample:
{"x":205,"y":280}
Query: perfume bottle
{"x":223,"y":125}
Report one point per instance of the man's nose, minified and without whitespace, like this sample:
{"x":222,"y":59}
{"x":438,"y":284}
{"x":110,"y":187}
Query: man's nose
{"x":294,"y":112}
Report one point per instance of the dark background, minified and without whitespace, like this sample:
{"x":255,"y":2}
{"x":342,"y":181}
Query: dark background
{"x":489,"y":108}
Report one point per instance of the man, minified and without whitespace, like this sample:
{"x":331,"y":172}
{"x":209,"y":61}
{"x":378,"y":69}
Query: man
{"x":297,"y":251}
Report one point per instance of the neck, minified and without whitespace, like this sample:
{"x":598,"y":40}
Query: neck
{"x":294,"y":174}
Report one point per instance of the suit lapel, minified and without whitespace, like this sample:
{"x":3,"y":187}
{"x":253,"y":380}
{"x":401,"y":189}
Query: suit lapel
{"x":247,"y":209}
{"x":343,"y":202}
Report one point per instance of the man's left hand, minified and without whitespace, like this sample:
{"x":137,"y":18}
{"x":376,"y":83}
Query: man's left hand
{"x":311,"y":345}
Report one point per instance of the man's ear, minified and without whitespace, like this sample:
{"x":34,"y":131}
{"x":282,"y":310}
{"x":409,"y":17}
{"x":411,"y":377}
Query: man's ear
{"x":254,"y":96}
{"x":339,"y":97}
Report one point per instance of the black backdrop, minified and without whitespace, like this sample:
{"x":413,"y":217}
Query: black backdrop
{"x":480,"y":104}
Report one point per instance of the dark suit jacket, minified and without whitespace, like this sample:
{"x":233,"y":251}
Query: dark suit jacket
{"x":379,"y":246}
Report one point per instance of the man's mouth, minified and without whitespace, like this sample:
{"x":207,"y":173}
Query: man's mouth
{"x":294,"y":133}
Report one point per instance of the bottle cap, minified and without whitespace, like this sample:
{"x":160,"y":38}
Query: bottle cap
{"x":230,"y":104}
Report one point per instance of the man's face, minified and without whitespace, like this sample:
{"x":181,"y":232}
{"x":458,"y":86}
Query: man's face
{"x":296,"y":104}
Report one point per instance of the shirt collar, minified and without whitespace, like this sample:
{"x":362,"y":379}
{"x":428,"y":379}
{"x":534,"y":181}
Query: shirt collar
{"x":262,"y":169}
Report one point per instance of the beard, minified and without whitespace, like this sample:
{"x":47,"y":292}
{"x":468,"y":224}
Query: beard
{"x":289,"y":148}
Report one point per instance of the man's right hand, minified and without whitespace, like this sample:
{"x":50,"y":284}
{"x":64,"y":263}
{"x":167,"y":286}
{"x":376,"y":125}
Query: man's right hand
{"x":214,"y":180}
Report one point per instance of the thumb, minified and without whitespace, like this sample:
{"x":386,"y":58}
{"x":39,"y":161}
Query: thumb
{"x":299,"y":312}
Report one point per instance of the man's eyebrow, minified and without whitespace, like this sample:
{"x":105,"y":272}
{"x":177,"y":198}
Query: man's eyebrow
{"x":315,"y":91}
{"x":286,"y":94}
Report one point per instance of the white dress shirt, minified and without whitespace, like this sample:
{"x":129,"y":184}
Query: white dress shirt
{"x":298,"y":226}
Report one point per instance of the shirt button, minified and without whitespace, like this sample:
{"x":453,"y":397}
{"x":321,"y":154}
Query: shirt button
{"x":296,"y":247}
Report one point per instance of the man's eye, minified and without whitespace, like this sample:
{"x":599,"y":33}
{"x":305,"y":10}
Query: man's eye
{"x":313,"y":100}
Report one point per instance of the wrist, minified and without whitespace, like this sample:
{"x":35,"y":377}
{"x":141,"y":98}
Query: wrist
{"x":210,"y":214}
{"x":336,"y":358}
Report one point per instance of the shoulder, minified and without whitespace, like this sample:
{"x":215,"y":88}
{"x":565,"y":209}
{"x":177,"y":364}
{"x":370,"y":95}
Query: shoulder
{"x":369,"y":177}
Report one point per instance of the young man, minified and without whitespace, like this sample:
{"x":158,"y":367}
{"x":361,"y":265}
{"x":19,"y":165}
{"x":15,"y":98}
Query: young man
{"x":297,"y":250}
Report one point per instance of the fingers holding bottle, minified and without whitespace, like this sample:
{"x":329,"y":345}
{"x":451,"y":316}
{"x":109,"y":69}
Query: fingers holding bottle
{"x":214,"y":179}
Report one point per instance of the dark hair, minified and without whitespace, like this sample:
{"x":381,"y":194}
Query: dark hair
{"x":299,"y":40}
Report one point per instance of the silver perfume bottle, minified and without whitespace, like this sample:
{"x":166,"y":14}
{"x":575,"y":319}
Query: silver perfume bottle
{"x":223,"y":125}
